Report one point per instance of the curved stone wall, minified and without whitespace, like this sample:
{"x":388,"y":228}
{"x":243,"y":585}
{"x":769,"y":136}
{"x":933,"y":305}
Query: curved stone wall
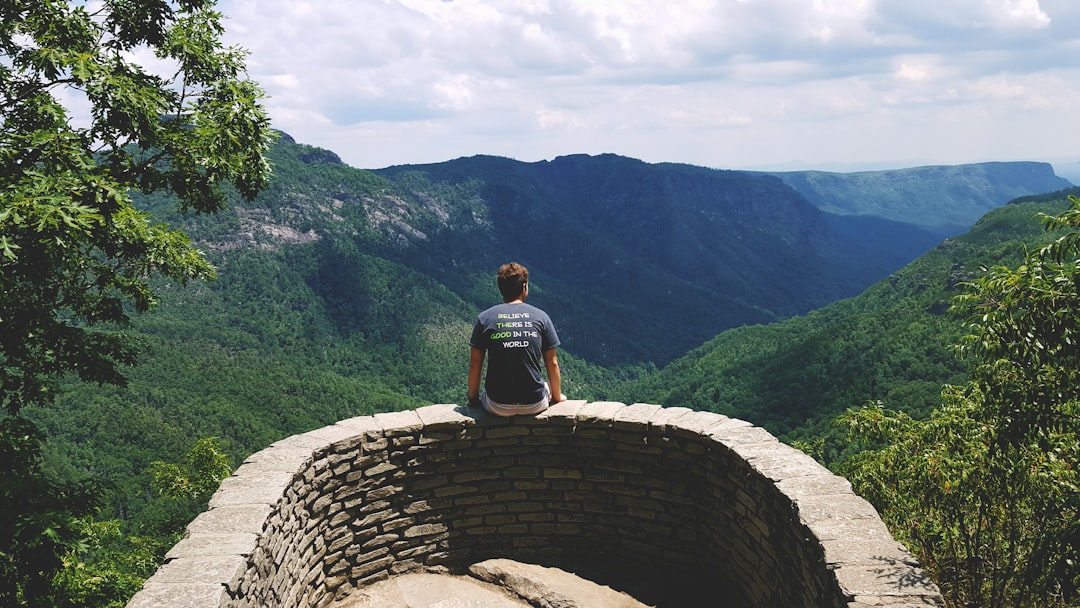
{"x":666,"y":503}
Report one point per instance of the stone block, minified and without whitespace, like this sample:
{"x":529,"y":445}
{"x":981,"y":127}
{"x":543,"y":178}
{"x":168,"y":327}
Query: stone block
{"x":174,"y":595}
{"x":246,"y":518}
{"x":730,"y":435}
{"x":876,"y":552}
{"x":599,"y":413}
{"x":825,"y":484}
{"x":636,"y":417}
{"x":842,"y":516}
{"x":777,"y":461}
{"x":398,"y":424}
{"x":695,"y":424}
{"x":424,"y":529}
{"x":365,"y":570}
{"x":562,"y":413}
{"x":202,"y":570}
{"x":281,"y":458}
{"x":251,"y":486}
{"x":443,"y":417}
{"x":332,"y":434}
{"x":886,"y":583}
{"x":206,"y":545}
{"x":300,"y":442}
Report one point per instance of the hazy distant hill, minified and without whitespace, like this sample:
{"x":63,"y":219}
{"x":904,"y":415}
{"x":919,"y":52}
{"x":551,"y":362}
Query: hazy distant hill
{"x":946,"y":200}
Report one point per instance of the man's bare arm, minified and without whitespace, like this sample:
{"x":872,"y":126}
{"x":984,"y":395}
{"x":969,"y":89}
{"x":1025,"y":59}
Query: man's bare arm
{"x":476,"y":369}
{"x":551,"y":362}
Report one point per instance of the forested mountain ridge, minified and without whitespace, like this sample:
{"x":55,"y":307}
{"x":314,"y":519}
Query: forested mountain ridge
{"x":678,"y":252}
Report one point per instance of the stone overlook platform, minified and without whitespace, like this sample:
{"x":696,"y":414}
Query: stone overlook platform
{"x":673,"y":506}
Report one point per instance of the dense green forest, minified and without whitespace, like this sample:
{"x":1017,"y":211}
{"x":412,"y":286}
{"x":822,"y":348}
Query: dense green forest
{"x":893,"y":343}
{"x":342,"y":292}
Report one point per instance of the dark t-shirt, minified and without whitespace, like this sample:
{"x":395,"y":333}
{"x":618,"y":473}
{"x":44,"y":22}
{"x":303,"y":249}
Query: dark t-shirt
{"x":515,"y":337}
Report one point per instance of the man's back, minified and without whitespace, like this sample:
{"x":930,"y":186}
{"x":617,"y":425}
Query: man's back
{"x":515,"y":337}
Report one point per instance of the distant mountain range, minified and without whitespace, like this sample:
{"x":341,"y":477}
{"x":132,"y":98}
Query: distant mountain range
{"x":945,"y":200}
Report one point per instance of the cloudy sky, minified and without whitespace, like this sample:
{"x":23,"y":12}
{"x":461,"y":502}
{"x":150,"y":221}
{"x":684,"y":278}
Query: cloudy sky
{"x":786,"y":84}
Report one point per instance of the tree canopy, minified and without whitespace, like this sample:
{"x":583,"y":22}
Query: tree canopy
{"x":82,"y":123}
{"x":987,"y":490}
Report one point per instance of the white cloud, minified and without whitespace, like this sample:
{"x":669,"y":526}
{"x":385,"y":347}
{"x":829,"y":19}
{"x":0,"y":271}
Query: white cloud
{"x":714,"y":82}
{"x":1021,"y":13}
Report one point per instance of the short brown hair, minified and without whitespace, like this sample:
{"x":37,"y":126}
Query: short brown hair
{"x":512,"y":279}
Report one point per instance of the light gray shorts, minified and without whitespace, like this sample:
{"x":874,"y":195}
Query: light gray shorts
{"x":502,"y":409}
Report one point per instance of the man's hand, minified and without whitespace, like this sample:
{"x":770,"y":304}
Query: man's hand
{"x":473,"y":402}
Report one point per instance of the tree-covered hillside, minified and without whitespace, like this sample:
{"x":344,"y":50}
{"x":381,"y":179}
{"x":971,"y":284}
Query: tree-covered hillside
{"x":675,"y":252}
{"x":637,"y":262}
{"x":893,"y":343}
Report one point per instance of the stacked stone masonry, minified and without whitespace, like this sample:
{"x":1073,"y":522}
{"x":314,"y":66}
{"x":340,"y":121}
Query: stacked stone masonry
{"x":667,"y":503}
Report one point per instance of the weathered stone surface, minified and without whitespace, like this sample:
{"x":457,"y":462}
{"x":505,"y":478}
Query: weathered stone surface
{"x":438,"y":417}
{"x":248,"y":518}
{"x":636,"y":416}
{"x":563,"y":412}
{"x":155,"y":595}
{"x":733,"y":435}
{"x":888,"y":584}
{"x":251,"y":486}
{"x":299,"y":442}
{"x":550,"y":587}
{"x":877,"y":552}
{"x":281,"y":458}
{"x":695,"y":423}
{"x":361,"y":424}
{"x":825,"y":484}
{"x":423,"y":590}
{"x":200,"y":545}
{"x":375,"y":499}
{"x":660,"y":421}
{"x":201,"y":569}
{"x":599,"y":412}
{"x":399,"y":423}
{"x":778,"y":461}
{"x":331,"y":434}
{"x":844,"y":517}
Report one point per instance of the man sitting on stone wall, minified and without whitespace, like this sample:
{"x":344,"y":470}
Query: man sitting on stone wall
{"x":517,"y":338}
